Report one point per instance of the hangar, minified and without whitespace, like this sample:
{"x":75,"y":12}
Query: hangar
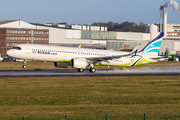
{"x":15,"y":32}
{"x":12,"y":33}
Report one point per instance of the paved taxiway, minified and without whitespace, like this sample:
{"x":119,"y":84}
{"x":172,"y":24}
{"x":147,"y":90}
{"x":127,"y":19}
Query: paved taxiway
{"x":100,"y":72}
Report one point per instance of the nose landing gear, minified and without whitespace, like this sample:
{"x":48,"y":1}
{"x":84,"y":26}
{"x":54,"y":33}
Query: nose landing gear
{"x":25,"y":62}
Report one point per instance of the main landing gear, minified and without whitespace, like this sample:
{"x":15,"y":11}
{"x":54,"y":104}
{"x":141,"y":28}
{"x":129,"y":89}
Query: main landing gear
{"x":92,"y":69}
{"x":80,"y":70}
{"x":25,"y":62}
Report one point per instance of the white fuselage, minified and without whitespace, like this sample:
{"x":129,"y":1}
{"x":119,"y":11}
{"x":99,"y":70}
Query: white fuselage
{"x":65,"y":54}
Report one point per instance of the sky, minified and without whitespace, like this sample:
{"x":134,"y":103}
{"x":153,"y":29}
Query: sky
{"x":86,"y":11}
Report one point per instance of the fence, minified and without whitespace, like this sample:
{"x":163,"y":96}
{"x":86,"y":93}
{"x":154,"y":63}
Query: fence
{"x":144,"y":116}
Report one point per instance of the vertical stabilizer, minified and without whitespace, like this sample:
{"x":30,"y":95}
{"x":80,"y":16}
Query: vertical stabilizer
{"x":154,"y":45}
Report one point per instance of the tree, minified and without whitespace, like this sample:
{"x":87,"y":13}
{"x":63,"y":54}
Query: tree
{"x":123,"y":27}
{"x":64,"y":23}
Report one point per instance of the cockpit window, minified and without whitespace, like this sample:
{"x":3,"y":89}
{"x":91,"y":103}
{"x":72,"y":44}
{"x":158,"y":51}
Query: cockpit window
{"x":17,"y":48}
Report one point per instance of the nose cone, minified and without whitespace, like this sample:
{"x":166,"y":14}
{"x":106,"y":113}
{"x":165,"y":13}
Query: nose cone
{"x":10,"y":53}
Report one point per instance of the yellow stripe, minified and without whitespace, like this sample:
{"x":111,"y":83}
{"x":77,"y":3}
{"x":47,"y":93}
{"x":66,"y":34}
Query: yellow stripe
{"x":64,"y":61}
{"x":120,"y":65}
{"x":144,"y":61}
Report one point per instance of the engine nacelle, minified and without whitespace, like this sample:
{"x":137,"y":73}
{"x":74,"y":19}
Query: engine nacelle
{"x":61,"y":65}
{"x":79,"y":63}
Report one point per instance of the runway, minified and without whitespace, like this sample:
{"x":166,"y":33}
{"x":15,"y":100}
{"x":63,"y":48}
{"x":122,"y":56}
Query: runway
{"x":99,"y":72}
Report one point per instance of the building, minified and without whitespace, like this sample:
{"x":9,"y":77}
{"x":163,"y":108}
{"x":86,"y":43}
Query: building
{"x":74,"y":35}
{"x":171,"y":43}
{"x":173,"y":30}
{"x":92,"y":36}
{"x":11,"y":36}
{"x":15,"y":32}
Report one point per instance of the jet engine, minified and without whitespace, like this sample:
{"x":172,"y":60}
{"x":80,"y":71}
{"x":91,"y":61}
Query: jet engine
{"x":79,"y":63}
{"x":61,"y":65}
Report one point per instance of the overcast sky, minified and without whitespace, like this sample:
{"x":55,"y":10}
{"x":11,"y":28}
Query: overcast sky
{"x":85,"y":11}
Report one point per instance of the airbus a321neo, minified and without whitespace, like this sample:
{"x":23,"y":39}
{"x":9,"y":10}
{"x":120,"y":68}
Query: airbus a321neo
{"x":81,"y":58}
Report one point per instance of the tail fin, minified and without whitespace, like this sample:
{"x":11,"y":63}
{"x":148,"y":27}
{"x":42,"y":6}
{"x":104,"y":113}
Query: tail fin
{"x":154,"y":45}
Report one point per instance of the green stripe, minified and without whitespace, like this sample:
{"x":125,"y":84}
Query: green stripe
{"x":64,"y":61}
{"x":141,"y":62}
{"x":120,"y":65}
{"x":144,"y":61}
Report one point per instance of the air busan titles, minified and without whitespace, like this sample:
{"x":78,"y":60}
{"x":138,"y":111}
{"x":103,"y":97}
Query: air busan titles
{"x":81,"y":58}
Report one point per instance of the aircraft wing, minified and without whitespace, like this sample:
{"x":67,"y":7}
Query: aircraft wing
{"x":105,"y":58}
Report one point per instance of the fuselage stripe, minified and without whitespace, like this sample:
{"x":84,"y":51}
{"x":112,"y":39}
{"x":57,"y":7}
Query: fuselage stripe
{"x":136,"y":61}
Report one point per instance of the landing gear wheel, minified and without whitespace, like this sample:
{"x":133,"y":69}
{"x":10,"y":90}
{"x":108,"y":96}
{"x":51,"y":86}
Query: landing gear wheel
{"x":80,"y":70}
{"x":25,"y":62}
{"x":24,"y":66}
{"x":92,"y":70}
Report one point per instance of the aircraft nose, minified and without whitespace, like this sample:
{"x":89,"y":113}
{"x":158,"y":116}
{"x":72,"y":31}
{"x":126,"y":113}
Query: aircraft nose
{"x":10,"y":53}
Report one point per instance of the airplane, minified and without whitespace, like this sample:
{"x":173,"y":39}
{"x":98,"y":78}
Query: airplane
{"x":81,"y":58}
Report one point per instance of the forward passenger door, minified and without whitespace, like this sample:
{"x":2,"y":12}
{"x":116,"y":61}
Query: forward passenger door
{"x":27,"y":49}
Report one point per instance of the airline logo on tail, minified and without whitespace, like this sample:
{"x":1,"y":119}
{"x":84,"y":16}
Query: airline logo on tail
{"x":154,"y":45}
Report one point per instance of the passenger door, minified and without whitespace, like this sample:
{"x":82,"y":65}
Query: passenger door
{"x":27,"y":49}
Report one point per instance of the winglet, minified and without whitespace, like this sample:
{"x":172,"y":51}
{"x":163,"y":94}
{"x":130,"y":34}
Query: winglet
{"x":135,"y":49}
{"x":79,"y":46}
